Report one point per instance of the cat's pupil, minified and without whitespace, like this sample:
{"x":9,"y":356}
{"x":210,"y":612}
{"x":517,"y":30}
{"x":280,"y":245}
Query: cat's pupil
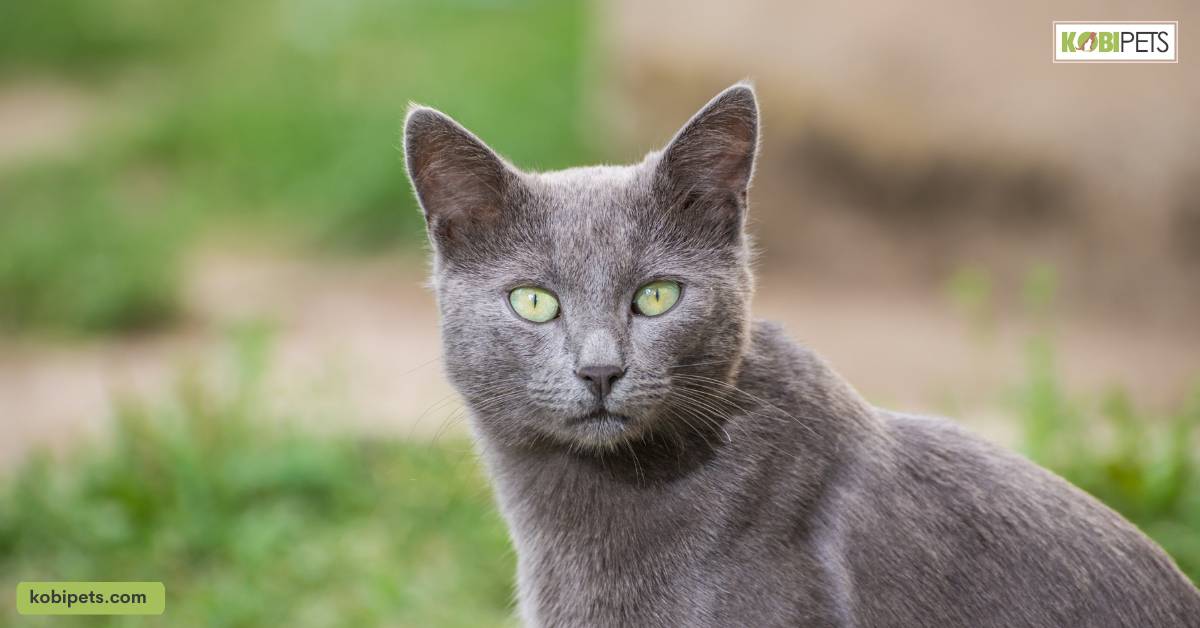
{"x":533,"y":297}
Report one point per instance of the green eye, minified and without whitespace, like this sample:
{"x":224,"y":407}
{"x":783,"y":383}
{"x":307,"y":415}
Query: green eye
{"x":534,"y":304}
{"x":656,"y":298}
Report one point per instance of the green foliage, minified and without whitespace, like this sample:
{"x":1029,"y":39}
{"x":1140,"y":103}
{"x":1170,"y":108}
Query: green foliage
{"x":281,"y":117}
{"x":84,"y":38}
{"x":251,"y":522}
{"x":78,"y":256}
{"x":1145,"y":467}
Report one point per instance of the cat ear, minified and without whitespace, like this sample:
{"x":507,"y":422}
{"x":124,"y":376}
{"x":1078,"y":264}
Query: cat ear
{"x":705,"y":170}
{"x":459,"y":181}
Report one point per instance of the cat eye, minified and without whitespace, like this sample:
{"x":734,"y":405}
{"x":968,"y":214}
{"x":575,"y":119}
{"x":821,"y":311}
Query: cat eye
{"x":656,"y":297}
{"x":534,"y":304}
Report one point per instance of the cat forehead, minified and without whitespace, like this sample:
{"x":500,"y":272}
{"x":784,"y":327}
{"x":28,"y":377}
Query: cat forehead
{"x":578,"y":200}
{"x":585,"y":227}
{"x":589,"y":183}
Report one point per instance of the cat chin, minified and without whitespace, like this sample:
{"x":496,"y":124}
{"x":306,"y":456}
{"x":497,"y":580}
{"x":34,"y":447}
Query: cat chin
{"x":600,"y":430}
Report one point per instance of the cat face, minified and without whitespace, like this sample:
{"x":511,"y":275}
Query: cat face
{"x":592,"y":306}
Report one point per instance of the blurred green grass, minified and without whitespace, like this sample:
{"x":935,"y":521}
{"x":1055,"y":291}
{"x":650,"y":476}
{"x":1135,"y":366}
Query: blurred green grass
{"x":1144,"y":465}
{"x":280,"y":120}
{"x":250,"y":521}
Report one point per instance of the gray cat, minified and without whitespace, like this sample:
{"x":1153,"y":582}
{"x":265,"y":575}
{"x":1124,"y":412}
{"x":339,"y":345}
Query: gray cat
{"x":663,"y":460}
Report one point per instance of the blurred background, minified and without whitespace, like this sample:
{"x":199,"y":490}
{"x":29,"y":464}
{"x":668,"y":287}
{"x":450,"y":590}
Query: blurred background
{"x":219,"y":366}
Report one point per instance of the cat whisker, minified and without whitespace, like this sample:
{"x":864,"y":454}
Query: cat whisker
{"x":453,"y":398}
{"x":420,"y":366}
{"x":637,"y":466}
{"x":751,"y":396}
{"x":707,"y":412}
{"x":706,"y":363}
{"x":483,"y":405}
{"x":711,"y":421}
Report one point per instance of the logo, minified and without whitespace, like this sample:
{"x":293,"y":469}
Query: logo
{"x":1116,"y":42}
{"x":91,"y":598}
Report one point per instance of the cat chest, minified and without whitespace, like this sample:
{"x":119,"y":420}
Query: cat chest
{"x":694,"y":584}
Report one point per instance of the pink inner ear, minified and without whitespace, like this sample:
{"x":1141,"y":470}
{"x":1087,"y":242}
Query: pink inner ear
{"x":735,"y":165}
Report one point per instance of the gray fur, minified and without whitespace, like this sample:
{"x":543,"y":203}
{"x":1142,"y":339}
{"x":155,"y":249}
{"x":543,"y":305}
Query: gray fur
{"x":735,"y":479}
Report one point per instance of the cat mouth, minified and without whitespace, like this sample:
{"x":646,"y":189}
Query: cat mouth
{"x":600,"y":418}
{"x":598,"y":429}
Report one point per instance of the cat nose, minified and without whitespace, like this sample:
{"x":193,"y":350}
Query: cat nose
{"x":600,"y":378}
